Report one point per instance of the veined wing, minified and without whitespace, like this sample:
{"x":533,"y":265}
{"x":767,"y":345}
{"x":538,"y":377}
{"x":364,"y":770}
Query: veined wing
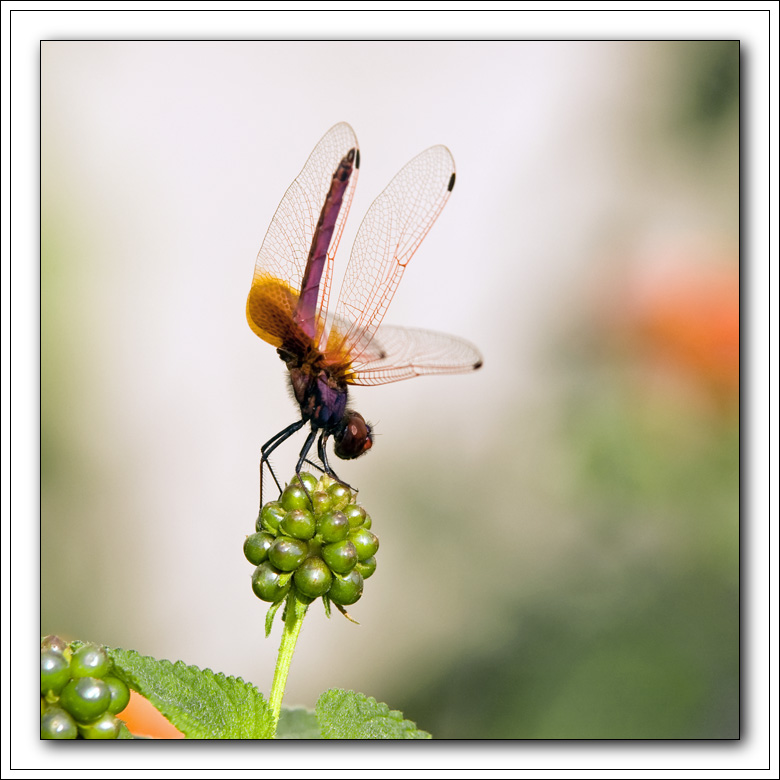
{"x":282,"y":261}
{"x":389,"y":235}
{"x":397,"y":353}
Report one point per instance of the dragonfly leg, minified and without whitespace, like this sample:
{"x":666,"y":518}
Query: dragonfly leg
{"x":269,"y":447}
{"x":324,"y":458}
{"x":303,"y":459}
{"x":315,"y":465}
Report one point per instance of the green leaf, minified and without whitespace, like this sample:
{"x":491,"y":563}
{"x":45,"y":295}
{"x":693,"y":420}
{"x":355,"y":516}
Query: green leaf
{"x":298,"y":723}
{"x":270,"y":615}
{"x":350,"y":715}
{"x":201,"y":704}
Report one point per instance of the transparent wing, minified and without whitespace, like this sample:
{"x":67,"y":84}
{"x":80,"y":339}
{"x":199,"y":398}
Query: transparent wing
{"x":397,"y":353}
{"x":389,"y":235}
{"x":281,"y":261}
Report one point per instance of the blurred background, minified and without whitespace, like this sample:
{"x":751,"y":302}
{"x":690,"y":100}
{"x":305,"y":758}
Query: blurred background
{"x":559,"y":530}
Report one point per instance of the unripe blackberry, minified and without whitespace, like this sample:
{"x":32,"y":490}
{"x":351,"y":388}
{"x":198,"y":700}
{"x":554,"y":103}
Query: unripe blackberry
{"x":365,"y":542}
{"x":269,"y":584}
{"x":270,"y":516}
{"x":340,"y":556}
{"x":105,"y":727}
{"x":315,"y":539}
{"x":85,"y":698}
{"x":347,"y":589}
{"x":286,"y":553}
{"x":55,"y":672}
{"x":80,"y":696}
{"x":366,"y":567}
{"x":58,"y":724}
{"x":298,"y":523}
{"x":120,"y":694}
{"x":89,"y":661}
{"x":313,"y":578}
{"x":256,"y":546}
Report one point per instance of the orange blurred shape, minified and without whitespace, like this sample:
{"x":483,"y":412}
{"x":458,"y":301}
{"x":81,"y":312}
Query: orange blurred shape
{"x":688,"y":317}
{"x":144,"y":720}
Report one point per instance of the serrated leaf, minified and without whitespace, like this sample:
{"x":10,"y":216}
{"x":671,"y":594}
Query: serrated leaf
{"x":350,"y":715}
{"x":298,"y":723}
{"x":200,"y":703}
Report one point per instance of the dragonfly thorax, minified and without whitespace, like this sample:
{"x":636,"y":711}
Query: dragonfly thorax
{"x":322,"y":399}
{"x":323,"y":402}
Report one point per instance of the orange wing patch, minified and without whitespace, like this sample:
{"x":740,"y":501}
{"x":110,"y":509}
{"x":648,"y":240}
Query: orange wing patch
{"x":269,"y":312}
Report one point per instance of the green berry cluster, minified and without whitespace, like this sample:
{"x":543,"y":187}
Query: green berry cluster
{"x":80,"y":698}
{"x":315,"y":539}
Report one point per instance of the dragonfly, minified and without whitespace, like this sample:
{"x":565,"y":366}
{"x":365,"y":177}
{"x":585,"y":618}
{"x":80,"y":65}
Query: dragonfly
{"x":326,"y":349}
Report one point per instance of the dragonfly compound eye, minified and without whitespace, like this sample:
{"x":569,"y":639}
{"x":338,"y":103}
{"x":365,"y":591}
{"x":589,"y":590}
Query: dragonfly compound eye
{"x":353,"y":437}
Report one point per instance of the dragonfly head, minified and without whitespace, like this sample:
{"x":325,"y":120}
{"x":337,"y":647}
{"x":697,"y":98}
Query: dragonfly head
{"x":353,"y":436}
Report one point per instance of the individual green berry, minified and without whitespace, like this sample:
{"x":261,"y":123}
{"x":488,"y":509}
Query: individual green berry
{"x":53,"y":642}
{"x":298,"y":523}
{"x":120,"y":694}
{"x":313,"y":577}
{"x":366,"y":567}
{"x":321,"y":501}
{"x":55,"y":671}
{"x":367,"y":521}
{"x":105,"y":727}
{"x":270,"y":516}
{"x":340,"y":556}
{"x":340,"y":495}
{"x":333,"y":526}
{"x":356,"y":515}
{"x":347,"y":589}
{"x":294,"y":497}
{"x":89,"y":661}
{"x":286,"y":553}
{"x":256,"y":547}
{"x":365,"y":542}
{"x":85,"y":698}
{"x":58,"y":724}
{"x":269,"y":584}
{"x":315,"y":546}
{"x":309,"y":481}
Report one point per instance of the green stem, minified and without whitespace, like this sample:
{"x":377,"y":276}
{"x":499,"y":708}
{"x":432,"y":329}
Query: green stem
{"x":295,"y":611}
